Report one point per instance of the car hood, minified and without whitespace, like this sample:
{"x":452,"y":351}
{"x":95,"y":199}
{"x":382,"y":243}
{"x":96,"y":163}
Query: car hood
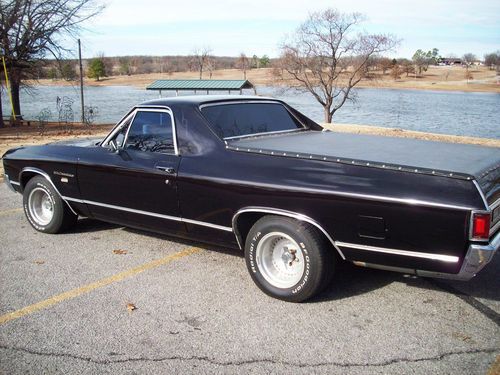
{"x":78,"y":142}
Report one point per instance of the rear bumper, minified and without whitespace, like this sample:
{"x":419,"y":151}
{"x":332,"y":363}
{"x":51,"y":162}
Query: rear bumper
{"x":477,"y":257}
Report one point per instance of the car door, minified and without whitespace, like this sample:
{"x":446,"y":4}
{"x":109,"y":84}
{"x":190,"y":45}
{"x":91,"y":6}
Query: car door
{"x":135,"y":183}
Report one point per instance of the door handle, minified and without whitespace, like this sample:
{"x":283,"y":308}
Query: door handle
{"x":168,"y":170}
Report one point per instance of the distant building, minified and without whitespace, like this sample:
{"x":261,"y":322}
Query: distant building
{"x":449,"y":61}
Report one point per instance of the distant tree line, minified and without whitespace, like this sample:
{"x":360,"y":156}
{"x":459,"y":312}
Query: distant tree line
{"x":201,"y":61}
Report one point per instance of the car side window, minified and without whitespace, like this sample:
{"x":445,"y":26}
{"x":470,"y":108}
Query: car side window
{"x":152,"y":132}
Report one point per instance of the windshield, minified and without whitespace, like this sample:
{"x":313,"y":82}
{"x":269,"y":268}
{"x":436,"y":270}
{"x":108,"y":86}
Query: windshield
{"x":241,"y":119}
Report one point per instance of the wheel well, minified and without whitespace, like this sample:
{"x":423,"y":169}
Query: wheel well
{"x":25,"y":177}
{"x":242,"y":223}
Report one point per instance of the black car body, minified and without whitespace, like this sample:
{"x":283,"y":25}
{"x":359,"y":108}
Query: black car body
{"x":407,"y":205}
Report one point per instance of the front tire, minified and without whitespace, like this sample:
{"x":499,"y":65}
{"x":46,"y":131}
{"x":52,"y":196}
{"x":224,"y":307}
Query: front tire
{"x":44,"y":208}
{"x":288,"y":259}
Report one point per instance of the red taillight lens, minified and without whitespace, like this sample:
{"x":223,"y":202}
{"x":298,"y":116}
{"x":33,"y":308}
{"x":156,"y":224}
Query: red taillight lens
{"x":481,"y":226}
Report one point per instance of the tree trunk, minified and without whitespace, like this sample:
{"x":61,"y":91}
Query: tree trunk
{"x":328,"y":115}
{"x":15,"y":84}
{"x":201,"y":71}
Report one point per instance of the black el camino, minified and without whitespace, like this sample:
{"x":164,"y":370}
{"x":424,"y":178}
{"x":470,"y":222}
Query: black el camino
{"x":255,"y":174}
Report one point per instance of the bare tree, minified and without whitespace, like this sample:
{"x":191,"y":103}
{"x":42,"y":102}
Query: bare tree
{"x":199,"y":58}
{"x":384,"y":64}
{"x":468,"y":60}
{"x":211,"y":65}
{"x":32,"y":29}
{"x":407,"y":66}
{"x":396,"y":72}
{"x":492,"y":60}
{"x":328,"y":57}
{"x":243,"y":64}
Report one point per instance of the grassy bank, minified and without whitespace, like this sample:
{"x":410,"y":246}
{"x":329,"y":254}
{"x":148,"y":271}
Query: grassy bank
{"x":436,"y":78}
{"x":395,"y":132}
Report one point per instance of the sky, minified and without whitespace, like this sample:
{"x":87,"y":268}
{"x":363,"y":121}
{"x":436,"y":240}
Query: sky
{"x":228,"y":28}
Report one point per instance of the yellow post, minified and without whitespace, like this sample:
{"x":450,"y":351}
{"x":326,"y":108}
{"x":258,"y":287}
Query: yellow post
{"x":8,"y":88}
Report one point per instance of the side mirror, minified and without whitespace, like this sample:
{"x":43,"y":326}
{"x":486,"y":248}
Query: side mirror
{"x":113,"y":145}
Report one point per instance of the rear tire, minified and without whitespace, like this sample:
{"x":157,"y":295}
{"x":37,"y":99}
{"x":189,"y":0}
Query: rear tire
{"x":44,"y":208}
{"x":288,"y":259}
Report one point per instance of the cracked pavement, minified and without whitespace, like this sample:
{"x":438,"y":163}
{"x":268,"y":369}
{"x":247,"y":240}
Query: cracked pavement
{"x":202,"y":314}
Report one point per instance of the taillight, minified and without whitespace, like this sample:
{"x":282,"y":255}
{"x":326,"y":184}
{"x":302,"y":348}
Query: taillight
{"x":480,"y":226}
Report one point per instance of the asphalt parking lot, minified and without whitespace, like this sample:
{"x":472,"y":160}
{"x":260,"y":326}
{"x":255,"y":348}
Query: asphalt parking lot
{"x":106,"y":299}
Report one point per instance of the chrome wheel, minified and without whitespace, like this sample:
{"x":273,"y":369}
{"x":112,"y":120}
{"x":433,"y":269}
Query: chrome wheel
{"x":41,"y":206}
{"x":280,"y":260}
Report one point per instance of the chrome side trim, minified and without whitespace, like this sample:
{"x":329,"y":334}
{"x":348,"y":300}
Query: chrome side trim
{"x":478,"y":256}
{"x":409,"y":201}
{"x":480,"y":191}
{"x":15,"y":183}
{"x":153,"y":214}
{"x":495,"y":204}
{"x":240,"y":101}
{"x":440,"y":257}
{"x":495,"y":227}
{"x":277,"y":211}
{"x":47,"y":177}
{"x":238,"y":137}
{"x":205,"y":224}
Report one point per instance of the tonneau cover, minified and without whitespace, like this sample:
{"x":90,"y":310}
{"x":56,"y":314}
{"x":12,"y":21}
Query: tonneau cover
{"x":456,"y":160}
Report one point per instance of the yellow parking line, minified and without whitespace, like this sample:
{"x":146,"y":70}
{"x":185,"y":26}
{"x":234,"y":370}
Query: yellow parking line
{"x":11,"y":211}
{"x":98,"y":284}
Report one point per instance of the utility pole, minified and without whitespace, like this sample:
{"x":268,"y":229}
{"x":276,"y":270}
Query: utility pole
{"x":81,"y":80}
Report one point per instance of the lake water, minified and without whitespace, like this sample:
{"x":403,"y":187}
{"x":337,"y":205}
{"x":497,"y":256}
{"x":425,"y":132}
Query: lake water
{"x":446,"y":112}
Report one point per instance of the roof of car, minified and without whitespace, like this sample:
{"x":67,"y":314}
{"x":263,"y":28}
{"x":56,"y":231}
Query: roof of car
{"x":201,"y":99}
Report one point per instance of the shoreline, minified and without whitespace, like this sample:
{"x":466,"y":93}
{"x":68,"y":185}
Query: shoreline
{"x":360,"y":86}
{"x":448,"y":79}
{"x":402,"y":133}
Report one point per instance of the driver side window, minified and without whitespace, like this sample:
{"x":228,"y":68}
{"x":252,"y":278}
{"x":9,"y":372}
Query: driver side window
{"x":151,"y":132}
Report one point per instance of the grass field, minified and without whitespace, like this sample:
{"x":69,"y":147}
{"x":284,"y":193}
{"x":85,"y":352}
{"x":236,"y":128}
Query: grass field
{"x":436,"y":78}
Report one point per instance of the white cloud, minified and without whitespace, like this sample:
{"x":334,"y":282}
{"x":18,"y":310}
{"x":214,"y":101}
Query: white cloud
{"x":147,"y":12}
{"x":133,"y":27}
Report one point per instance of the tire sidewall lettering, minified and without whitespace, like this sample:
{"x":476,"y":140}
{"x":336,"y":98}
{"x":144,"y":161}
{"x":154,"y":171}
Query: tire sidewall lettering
{"x":253,"y":264}
{"x":253,"y":245}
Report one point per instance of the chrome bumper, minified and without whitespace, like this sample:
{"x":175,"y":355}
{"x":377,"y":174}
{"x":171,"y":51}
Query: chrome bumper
{"x":477,"y":257}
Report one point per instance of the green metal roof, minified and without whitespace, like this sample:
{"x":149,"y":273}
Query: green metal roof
{"x":200,"y":84}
